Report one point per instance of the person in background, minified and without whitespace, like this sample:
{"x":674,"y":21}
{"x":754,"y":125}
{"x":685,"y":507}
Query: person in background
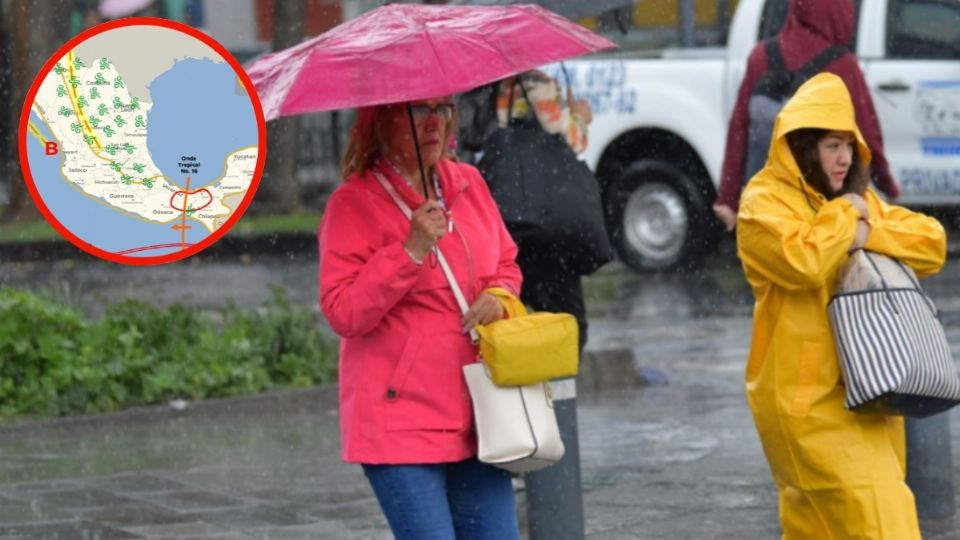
{"x":405,"y":411}
{"x":549,"y":284}
{"x":839,"y":474}
{"x":811,"y":27}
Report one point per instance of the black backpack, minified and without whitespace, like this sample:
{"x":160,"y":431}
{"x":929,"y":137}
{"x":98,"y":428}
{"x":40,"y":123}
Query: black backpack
{"x":769,"y":95}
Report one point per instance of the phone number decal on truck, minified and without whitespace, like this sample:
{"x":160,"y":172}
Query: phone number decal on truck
{"x":604,"y":85}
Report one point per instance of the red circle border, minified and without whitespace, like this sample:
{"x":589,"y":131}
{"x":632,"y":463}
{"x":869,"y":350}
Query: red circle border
{"x":261,"y":143}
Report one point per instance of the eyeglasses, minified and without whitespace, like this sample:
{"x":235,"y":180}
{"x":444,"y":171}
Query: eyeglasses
{"x":422,"y":111}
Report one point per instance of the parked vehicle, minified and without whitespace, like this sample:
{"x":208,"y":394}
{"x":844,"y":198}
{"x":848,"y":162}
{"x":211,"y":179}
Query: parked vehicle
{"x":659,"y":129}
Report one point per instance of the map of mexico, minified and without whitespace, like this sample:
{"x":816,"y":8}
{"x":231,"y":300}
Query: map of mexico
{"x":163,"y":147}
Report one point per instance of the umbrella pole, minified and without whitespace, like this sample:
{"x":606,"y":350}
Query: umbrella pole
{"x":416,"y":146}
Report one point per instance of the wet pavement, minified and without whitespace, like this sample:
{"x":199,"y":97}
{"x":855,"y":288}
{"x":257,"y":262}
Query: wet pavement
{"x":680,"y":461}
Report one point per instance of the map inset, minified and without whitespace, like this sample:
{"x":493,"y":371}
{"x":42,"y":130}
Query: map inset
{"x":142,"y":141}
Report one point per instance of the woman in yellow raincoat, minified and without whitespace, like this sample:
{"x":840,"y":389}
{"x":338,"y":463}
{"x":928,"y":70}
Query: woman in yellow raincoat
{"x":840,"y":475}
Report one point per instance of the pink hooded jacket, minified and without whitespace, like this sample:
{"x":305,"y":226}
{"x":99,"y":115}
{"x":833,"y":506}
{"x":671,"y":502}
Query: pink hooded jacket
{"x":403,"y":398}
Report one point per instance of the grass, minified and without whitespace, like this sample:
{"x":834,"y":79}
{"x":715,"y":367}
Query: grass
{"x":30,"y":231}
{"x":40,"y":230}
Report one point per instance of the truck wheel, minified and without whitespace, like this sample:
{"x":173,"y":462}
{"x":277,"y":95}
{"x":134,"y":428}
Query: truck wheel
{"x":658,"y":219}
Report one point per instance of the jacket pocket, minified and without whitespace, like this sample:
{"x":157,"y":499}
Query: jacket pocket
{"x":811,"y":356}
{"x":425,"y":390}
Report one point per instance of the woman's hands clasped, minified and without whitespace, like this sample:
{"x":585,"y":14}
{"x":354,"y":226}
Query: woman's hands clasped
{"x":427,"y":225}
{"x":863,"y":227}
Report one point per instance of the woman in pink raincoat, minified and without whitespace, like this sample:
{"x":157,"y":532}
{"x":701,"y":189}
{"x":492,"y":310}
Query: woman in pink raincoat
{"x":405,"y":410}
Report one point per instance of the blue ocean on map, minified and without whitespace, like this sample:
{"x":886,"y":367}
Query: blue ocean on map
{"x":200,"y":113}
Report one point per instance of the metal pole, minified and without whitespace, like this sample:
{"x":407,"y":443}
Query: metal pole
{"x":687,"y":20}
{"x":554,"y":495}
{"x":929,"y":465}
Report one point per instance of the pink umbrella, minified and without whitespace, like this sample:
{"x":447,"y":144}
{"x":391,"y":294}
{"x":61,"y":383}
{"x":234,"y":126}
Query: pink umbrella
{"x":405,"y":52}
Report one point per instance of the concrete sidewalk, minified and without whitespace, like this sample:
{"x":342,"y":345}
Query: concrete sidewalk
{"x":669,"y":462}
{"x":268,"y":467}
{"x":679,"y":461}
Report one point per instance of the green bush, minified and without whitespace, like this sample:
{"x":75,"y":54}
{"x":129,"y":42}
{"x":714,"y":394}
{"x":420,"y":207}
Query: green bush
{"x":53,"y":362}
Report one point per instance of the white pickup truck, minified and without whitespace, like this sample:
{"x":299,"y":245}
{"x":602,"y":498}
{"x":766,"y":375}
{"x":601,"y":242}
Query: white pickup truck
{"x":659,"y":129}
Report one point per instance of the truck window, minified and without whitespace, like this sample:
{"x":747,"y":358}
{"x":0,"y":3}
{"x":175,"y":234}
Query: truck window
{"x":923,"y":29}
{"x":775,"y":14}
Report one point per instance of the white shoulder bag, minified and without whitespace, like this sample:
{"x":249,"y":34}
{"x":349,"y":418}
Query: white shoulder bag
{"x":516,"y":425}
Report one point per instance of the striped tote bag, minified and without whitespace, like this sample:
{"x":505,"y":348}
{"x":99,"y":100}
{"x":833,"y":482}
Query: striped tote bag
{"x":893,"y":353}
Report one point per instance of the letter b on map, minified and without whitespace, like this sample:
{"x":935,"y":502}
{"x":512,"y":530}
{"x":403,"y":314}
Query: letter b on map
{"x":51,"y":148}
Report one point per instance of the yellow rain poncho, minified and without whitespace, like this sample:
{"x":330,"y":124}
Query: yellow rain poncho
{"x":840,"y":475}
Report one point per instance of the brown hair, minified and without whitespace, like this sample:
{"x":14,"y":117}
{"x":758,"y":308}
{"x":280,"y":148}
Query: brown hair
{"x":804,"y":146}
{"x":366,"y":137}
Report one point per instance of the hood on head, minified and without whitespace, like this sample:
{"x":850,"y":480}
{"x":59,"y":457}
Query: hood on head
{"x":822,"y":102}
{"x":832,"y":20}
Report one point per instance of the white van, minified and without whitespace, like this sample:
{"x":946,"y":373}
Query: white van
{"x":660,"y":123}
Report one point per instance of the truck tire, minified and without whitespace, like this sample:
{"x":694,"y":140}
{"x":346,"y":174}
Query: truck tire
{"x":657,"y":217}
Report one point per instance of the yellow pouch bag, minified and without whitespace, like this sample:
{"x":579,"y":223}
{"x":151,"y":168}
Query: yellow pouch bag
{"x":527,"y":348}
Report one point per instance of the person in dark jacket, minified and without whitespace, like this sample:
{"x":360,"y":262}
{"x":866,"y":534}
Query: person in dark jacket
{"x":812,"y":26}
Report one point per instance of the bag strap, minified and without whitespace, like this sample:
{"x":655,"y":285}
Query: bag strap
{"x":816,"y":65}
{"x":875,"y":268}
{"x":886,"y":288}
{"x":774,"y":57}
{"x":518,"y":80}
{"x":915,"y":283}
{"x":509,"y":301}
{"x":457,"y":292}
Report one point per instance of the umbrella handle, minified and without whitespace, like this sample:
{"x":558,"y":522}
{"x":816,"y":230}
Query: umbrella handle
{"x":416,"y":146}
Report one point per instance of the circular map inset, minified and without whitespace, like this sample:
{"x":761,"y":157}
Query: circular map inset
{"x":141,"y":141}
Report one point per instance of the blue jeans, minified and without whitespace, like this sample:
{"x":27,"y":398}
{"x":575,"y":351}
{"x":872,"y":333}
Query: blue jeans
{"x":468,"y":500}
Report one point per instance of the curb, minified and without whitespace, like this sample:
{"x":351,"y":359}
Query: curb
{"x":229,"y":247}
{"x":316,"y":398}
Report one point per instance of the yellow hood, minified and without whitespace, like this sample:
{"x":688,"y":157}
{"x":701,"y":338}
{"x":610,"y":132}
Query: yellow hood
{"x":822,"y":102}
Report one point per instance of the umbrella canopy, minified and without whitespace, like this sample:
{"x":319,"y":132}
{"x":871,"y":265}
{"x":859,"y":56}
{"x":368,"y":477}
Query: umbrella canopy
{"x":405,"y":52}
{"x":571,"y":9}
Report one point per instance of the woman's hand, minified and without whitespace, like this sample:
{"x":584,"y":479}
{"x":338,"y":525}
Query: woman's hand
{"x":427,"y":224}
{"x":859,"y":203}
{"x":726,"y":215}
{"x":860,"y":238}
{"x":485,"y":310}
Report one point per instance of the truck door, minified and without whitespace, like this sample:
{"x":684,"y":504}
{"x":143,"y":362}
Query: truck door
{"x":915,"y":82}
